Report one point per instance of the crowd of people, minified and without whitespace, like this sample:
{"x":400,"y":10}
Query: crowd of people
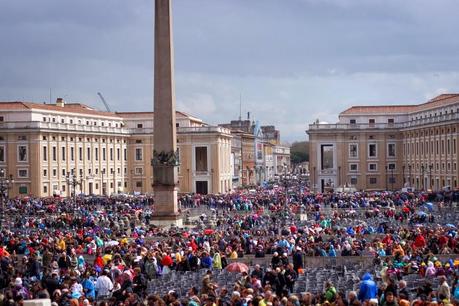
{"x":106,"y":250}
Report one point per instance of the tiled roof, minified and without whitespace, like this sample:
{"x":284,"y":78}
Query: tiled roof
{"x":439,"y":101}
{"x":70,"y":108}
{"x":379,"y":109}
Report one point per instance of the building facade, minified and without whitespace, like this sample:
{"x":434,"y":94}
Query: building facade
{"x":65,"y":149}
{"x":388,"y":147}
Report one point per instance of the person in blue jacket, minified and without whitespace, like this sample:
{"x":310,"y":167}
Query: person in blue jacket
{"x":368,"y":288}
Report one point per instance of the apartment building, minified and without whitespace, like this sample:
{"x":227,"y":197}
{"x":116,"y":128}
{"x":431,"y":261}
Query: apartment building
{"x":388,"y":147}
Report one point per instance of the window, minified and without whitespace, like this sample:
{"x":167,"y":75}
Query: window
{"x":391,"y":166}
{"x":201,"y":158}
{"x":45,"y":189}
{"x":111,"y":153}
{"x":390,"y":120}
{"x":326,"y":152}
{"x":138,"y":171}
{"x":372,"y":167}
{"x":353,"y":181}
{"x":125,"y":154}
{"x":45,"y":172}
{"x":45,"y":153}
{"x":391,"y":150}
{"x":44,"y":119}
{"x":138,"y":184}
{"x":72,"y":153}
{"x":353,"y":167}
{"x":352,"y":121}
{"x":353,"y":150}
{"x":392,"y":180}
{"x":373,"y":180}
{"x":2,"y":153}
{"x":118,"y":154}
{"x":372,"y":152}
{"x":23,"y":173}
{"x":104,"y":152}
{"x":80,"y":153}
{"x":63,"y":153}
{"x":88,"y":153}
{"x":22,"y":137}
{"x":22,"y":153}
{"x":139,"y":125}
{"x":138,"y":154}
{"x":63,"y":172}
{"x":96,"y":153}
{"x":371,"y":122}
{"x":138,"y":141}
{"x":54,"y":172}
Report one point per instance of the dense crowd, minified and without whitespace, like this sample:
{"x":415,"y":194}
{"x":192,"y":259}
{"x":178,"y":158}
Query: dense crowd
{"x":101,"y":250}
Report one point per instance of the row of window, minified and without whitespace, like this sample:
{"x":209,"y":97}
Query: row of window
{"x":372,"y":150}
{"x":371,"y":167}
{"x":80,"y":139}
{"x":22,"y":153}
{"x":96,"y":172}
{"x":435,"y":167}
{"x":431,"y":132}
{"x":81,"y":122}
{"x":451,"y":111}
{"x":63,"y":152}
{"x":371,"y":121}
{"x":426,"y":148}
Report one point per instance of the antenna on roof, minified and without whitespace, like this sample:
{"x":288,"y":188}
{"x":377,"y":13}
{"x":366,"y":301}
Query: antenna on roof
{"x":50,"y":96}
{"x":240,"y":106}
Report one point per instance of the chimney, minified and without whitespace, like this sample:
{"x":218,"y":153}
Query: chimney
{"x":60,"y":102}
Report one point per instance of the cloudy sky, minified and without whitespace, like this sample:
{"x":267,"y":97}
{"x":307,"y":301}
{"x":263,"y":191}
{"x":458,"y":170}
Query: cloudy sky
{"x":291,"y":60}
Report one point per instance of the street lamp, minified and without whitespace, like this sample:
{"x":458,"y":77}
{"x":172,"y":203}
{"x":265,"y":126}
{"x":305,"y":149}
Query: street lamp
{"x":386,"y":177}
{"x":392,"y":178}
{"x":73,"y":180}
{"x":409,"y":175}
{"x":422,"y":177}
{"x":103,"y":183}
{"x":430,"y":176}
{"x":5,"y":185}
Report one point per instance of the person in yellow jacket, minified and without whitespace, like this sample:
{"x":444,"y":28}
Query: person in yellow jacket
{"x":61,"y":245}
{"x":233,"y":255}
{"x":217,"y":261}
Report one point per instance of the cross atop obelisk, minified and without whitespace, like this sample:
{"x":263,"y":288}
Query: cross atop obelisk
{"x":164,"y":155}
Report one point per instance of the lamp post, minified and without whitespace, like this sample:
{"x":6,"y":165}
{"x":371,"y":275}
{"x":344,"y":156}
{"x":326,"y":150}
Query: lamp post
{"x":313,"y":179}
{"x":422,"y":177}
{"x":103,"y":186}
{"x":73,"y":180}
{"x":386,"y":177}
{"x":392,"y":178}
{"x":403,"y":174}
{"x":112,"y":172}
{"x":409,"y":175}
{"x":430,"y":176}
{"x":5,"y":185}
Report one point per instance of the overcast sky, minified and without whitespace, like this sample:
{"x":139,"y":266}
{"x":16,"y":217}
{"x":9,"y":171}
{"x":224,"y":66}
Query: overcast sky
{"x":292,"y":60}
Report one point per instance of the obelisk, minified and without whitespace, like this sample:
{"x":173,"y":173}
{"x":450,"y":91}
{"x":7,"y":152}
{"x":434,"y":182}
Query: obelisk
{"x":165,"y":160}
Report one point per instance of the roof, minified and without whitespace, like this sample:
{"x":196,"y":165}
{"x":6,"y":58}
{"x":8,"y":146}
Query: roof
{"x":137,"y":114}
{"x":439,"y":101}
{"x":68,"y":107}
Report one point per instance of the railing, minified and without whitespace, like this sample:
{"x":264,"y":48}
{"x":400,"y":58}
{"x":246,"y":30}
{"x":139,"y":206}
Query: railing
{"x":63,"y":127}
{"x":104,"y":129}
{"x":356,"y":126}
{"x":429,"y":120}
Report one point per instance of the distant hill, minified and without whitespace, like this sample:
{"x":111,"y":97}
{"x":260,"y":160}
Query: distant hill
{"x":299,"y":152}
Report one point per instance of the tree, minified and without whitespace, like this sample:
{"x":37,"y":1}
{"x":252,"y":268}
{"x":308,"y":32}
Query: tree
{"x":299,"y":152}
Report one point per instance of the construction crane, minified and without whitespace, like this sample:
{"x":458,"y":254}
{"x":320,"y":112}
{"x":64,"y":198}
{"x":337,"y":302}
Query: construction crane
{"x":105,"y":102}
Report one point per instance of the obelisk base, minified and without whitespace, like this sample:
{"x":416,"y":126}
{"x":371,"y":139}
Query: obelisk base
{"x":165,"y":208}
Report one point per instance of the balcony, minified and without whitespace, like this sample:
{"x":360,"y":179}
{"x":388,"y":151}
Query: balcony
{"x":431,"y":120}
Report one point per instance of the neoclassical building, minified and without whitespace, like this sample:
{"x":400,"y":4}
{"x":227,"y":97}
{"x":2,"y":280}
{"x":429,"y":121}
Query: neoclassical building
{"x":388,"y":147}
{"x":58,"y":148}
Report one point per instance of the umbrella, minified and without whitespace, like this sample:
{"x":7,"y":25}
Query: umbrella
{"x":450,"y":225}
{"x":429,"y":206}
{"x":237,"y":267}
{"x":208,"y":231}
{"x":421,"y":213}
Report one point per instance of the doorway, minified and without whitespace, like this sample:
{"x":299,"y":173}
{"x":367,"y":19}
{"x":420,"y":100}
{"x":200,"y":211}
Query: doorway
{"x":202,"y":187}
{"x":91,"y":191}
